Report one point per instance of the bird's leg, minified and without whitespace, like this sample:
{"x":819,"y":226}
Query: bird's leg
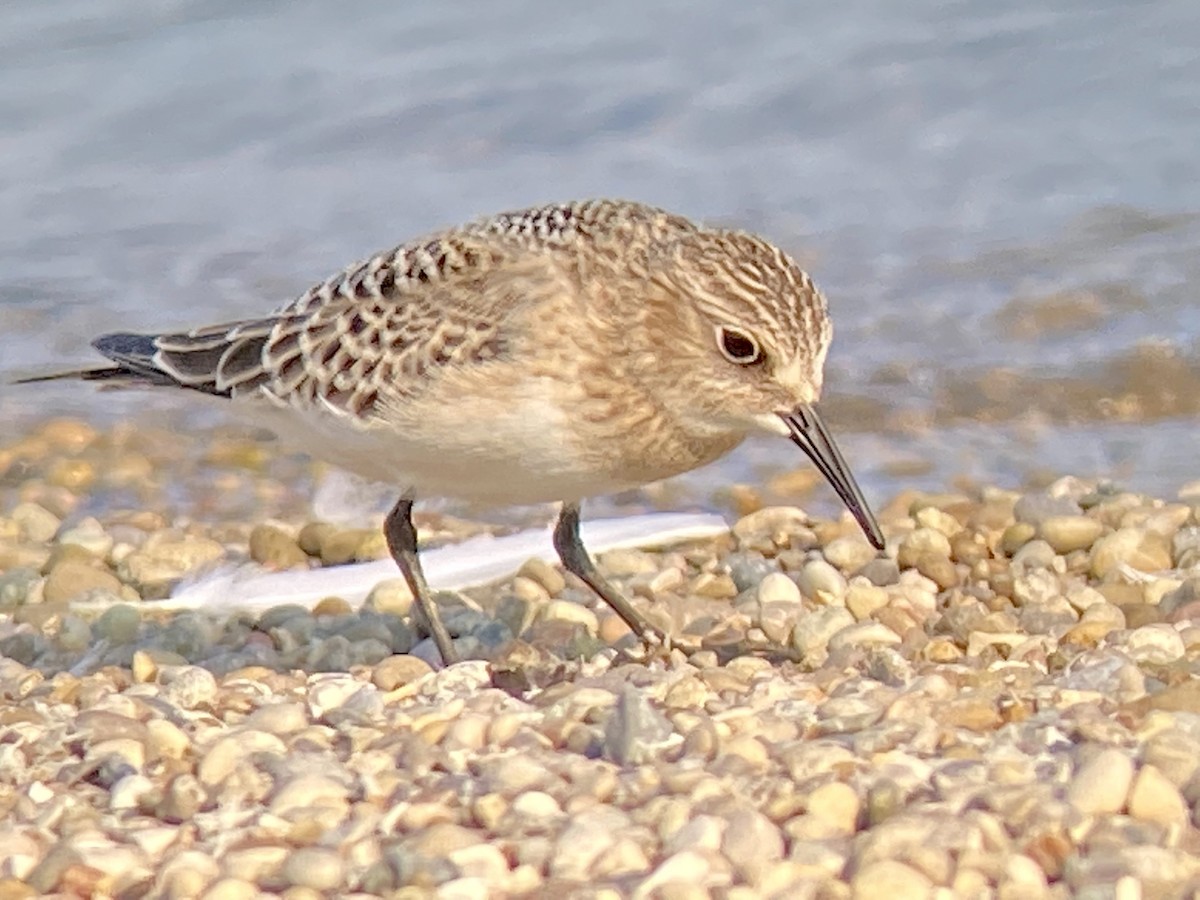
{"x":402,"y":542}
{"x":576,"y":560}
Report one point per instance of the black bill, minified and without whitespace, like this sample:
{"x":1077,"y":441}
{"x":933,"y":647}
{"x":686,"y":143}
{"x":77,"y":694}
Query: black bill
{"x":811,"y":435}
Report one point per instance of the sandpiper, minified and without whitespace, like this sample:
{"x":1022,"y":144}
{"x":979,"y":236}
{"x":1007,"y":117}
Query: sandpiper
{"x":549,"y":354}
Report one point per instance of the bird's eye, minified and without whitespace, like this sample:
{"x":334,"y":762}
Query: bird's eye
{"x":737,"y":346}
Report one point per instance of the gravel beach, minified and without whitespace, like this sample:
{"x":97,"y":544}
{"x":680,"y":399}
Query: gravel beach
{"x":1004,"y":704}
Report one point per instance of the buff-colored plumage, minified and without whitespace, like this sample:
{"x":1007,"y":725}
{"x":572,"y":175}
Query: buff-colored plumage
{"x":554,"y":353}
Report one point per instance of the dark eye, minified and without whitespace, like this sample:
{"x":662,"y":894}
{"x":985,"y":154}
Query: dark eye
{"x":738,"y":346}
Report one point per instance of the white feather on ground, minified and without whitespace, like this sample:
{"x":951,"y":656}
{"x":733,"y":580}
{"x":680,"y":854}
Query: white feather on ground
{"x":477,"y":561}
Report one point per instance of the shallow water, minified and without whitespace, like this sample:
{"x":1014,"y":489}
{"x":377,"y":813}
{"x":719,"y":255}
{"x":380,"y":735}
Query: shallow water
{"x":1001,"y":203}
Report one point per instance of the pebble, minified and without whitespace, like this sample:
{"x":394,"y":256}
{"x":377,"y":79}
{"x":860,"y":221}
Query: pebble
{"x":892,"y":879}
{"x":1102,"y":783}
{"x":813,"y":632}
{"x":1153,"y":798}
{"x":1157,"y":644}
{"x":837,"y":803}
{"x":1066,"y":534}
{"x":818,"y":580}
{"x":36,"y":523}
{"x":398,"y":671}
{"x":1146,"y":551}
{"x":275,"y":548}
{"x":849,"y":554}
{"x":549,"y":577}
{"x":165,"y":558}
{"x":317,"y":868}
{"x":119,"y":624}
{"x":69,"y":580}
{"x":753,"y":843}
{"x":922,"y":543}
{"x":778,"y":588}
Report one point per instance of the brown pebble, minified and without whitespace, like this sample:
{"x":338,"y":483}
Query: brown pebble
{"x":332,"y":606}
{"x":273,"y":547}
{"x":313,"y":535}
{"x":397,"y":671}
{"x":938,"y":569}
{"x":342,"y":547}
{"x":1016,"y":536}
{"x":69,"y":580}
{"x":546,"y":575}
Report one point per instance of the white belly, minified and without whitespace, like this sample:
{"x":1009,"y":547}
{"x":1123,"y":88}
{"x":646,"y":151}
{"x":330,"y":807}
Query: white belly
{"x":511,"y":454}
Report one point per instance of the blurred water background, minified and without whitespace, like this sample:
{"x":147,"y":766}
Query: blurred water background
{"x":999,"y":199}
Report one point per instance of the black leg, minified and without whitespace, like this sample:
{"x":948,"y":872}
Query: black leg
{"x":402,"y":541}
{"x":576,"y":560}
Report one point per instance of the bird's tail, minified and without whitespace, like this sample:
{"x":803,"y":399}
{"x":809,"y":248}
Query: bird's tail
{"x":133,"y":355}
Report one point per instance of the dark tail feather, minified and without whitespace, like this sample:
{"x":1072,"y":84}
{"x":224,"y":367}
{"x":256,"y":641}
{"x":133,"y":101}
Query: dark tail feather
{"x":134,"y":358}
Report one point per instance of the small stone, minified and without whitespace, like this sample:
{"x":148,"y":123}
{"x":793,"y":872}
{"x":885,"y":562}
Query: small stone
{"x":1153,"y":798}
{"x":397,"y":671}
{"x":549,"y":577}
{"x":1174,"y":753}
{"x":36,"y":522}
{"x":536,"y":805}
{"x":278,"y":718}
{"x":627,"y":563}
{"x":882,"y":571}
{"x":188,"y":687}
{"x":753,"y":843}
{"x":634,"y":730}
{"x":777,"y":588}
{"x":339,"y":547}
{"x":182,"y":799}
{"x":819,"y":580}
{"x":747,"y":569}
{"x":1146,"y":551}
{"x":166,"y":739}
{"x":220,"y":760}
{"x":864,"y":599}
{"x":21,"y":585}
{"x":313,"y":535}
{"x":1035,"y":508}
{"x":1015,"y":537}
{"x":836,"y":803}
{"x":227,"y":889}
{"x":119,"y":624}
{"x":716,"y":585}
{"x":74,"y":634}
{"x":849,"y":554}
{"x":567,"y":611}
{"x":275,"y":548}
{"x":775,"y":523}
{"x":166,"y":557}
{"x":864,"y":634}
{"x":921,"y":542}
{"x":392,"y":595}
{"x":938,"y":569}
{"x":1158,"y":644}
{"x":812,"y":633}
{"x":1067,"y":534}
{"x":529,"y":590}
{"x":128,"y":791}
{"x":938,"y":520}
{"x":1102,"y":783}
{"x":314,"y":867}
{"x":1036,"y":554}
{"x":891,"y":879}
{"x":69,"y":580}
{"x":89,"y":535}
{"x":306,"y":791}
